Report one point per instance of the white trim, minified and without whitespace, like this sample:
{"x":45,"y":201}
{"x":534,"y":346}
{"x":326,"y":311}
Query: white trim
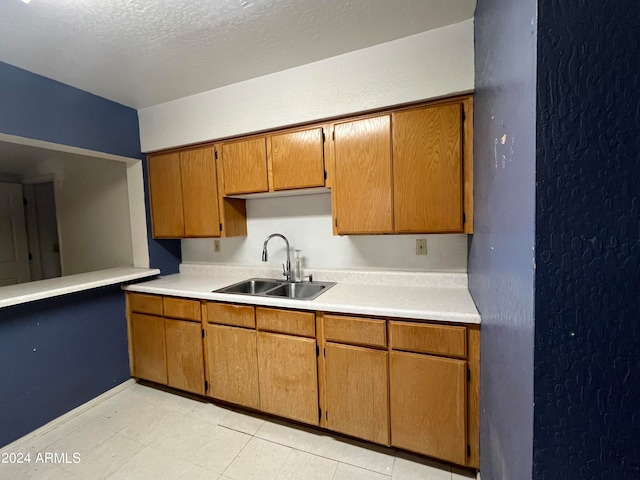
{"x":137,"y":216}
{"x":35,"y":180}
{"x":58,"y":147}
{"x":135,"y":185}
{"x":29,"y":439}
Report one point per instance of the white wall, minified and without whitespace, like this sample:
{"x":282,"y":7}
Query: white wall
{"x":94,"y":226}
{"x":306,"y":222}
{"x":115,"y":217}
{"x":427,"y":65}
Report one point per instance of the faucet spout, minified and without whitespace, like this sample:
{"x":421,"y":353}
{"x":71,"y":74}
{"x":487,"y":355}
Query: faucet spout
{"x":286,"y":268}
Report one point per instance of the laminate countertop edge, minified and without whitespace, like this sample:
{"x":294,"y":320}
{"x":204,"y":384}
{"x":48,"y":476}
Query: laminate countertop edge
{"x":53,"y":287}
{"x":446,"y":304}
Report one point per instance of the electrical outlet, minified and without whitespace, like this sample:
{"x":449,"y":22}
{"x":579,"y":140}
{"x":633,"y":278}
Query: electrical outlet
{"x":421,"y":246}
{"x":216,"y":245}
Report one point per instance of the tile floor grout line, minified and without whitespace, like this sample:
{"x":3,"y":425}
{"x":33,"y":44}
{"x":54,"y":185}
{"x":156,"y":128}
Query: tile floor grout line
{"x":237,"y":454}
{"x":128,"y":401}
{"x":285,"y":460}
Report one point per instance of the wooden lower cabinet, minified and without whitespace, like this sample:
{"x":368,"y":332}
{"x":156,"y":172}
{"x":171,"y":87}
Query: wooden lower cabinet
{"x":148,"y":347}
{"x":288,"y":376}
{"x":428,"y":405}
{"x":232,"y":363}
{"x":357,"y":385}
{"x":184,"y":352}
{"x":409,"y":384}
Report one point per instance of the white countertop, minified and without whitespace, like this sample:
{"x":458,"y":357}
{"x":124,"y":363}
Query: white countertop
{"x":416,"y":295}
{"x":53,"y":287}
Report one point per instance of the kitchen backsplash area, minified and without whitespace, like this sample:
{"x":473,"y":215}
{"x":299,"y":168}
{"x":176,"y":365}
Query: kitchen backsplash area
{"x":306,"y":222}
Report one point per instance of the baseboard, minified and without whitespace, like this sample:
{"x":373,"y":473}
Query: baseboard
{"x":29,"y":438}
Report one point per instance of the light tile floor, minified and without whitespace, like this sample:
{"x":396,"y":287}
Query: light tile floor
{"x":146,"y":433}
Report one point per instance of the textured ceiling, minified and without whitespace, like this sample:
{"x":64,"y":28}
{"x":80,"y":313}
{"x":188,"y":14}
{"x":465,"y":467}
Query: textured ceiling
{"x":145,"y":52}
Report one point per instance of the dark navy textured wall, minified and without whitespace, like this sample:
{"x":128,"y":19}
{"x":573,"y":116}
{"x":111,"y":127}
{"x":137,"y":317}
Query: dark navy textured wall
{"x":587,"y":348}
{"x":56,"y":354}
{"x":501,"y":269}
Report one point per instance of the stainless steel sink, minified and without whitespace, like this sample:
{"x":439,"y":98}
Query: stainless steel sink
{"x":305,"y":291}
{"x":269,"y":287}
{"x":253,"y":286}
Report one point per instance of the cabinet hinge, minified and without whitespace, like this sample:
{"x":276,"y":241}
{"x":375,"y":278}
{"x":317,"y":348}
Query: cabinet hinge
{"x":323,"y":137}
{"x":206,"y":386}
{"x":468,"y":450}
{"x":317,"y":351}
{"x":215,"y":153}
{"x":220,"y":227}
{"x":325,"y":174}
{"x":30,"y":256}
{"x":333,"y":135}
{"x":464,"y":218}
{"x":464,"y":115}
{"x":468,"y":374}
{"x":24,"y":200}
{"x":319,"y":414}
{"x":203,"y":333}
{"x":335,"y":222}
{"x":324,"y":352}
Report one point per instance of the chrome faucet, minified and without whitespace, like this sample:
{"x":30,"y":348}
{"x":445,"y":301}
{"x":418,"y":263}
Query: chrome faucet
{"x":286,"y":268}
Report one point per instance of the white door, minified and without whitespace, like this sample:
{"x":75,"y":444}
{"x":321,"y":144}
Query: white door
{"x":14,"y":255}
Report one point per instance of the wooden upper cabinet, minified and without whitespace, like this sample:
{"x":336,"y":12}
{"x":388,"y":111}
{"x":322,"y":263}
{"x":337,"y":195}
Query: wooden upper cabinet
{"x":166,"y":195}
{"x":184,"y":194}
{"x":427,"y":169}
{"x":244,"y":164}
{"x":199,"y":193}
{"x":297,"y":159}
{"x":363,"y":176}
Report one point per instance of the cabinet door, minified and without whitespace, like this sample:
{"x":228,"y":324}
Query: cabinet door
{"x":357,"y":385}
{"x":200,"y":193}
{"x":244,"y":164}
{"x":298,"y":159}
{"x":363,"y":179}
{"x":427,"y":169}
{"x":185,"y":360}
{"x":165,"y":190}
{"x":428,"y":405}
{"x":288,"y":376}
{"x":233,"y":365}
{"x":148,"y":348}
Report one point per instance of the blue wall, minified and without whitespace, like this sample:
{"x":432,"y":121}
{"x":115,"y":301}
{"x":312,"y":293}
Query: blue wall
{"x":501,"y":269}
{"x":80,"y":339}
{"x":56,"y":354}
{"x":36,"y":107}
{"x":587,"y":349}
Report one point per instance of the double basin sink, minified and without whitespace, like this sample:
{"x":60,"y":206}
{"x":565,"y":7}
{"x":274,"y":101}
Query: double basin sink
{"x":268,"y":287}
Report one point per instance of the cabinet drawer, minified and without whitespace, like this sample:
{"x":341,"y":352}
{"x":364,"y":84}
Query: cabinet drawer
{"x":182,"y":308}
{"x":355,"y":330}
{"x":141,"y":303}
{"x":424,"y":338}
{"x":286,"y":321}
{"x":228,"y":314}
